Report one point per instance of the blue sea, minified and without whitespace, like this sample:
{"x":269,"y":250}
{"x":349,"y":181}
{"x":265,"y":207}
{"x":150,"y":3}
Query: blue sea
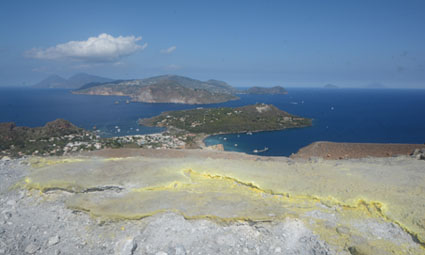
{"x":340,"y":115}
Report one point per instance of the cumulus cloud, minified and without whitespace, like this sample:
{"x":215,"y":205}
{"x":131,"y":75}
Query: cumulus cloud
{"x":169,"y":50}
{"x":103,"y":48}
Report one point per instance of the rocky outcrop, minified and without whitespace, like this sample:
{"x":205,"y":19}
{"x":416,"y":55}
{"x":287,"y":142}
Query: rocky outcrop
{"x":332,"y":150}
{"x":419,"y":153}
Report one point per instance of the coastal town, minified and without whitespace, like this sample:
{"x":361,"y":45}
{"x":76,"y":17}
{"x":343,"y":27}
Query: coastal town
{"x":60,"y":137}
{"x":185,"y":129}
{"x":163,"y":140}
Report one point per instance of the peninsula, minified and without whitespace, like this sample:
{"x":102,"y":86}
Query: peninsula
{"x":251,"y":118}
{"x":164,"y":89}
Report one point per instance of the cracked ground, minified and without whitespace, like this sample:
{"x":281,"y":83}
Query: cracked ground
{"x":195,"y":202}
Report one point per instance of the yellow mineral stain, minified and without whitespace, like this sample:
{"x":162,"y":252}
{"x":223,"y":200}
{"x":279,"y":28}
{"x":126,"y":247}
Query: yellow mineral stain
{"x":38,"y":162}
{"x":118,"y":159}
{"x":246,"y":190}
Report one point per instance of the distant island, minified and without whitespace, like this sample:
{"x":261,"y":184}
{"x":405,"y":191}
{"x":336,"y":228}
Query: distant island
{"x":277,"y":90}
{"x":375,"y":85}
{"x":164,"y":89}
{"x":251,"y":118}
{"x":157,"y":89}
{"x":330,"y":86}
{"x":74,"y":82}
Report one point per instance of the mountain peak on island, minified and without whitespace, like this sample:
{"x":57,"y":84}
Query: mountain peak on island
{"x":73,"y":82}
{"x":53,"y":81}
{"x":211,"y":85}
{"x":165,"y":89}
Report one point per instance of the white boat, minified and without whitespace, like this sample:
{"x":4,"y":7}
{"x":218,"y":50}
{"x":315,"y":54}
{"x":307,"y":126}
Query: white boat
{"x":259,"y":151}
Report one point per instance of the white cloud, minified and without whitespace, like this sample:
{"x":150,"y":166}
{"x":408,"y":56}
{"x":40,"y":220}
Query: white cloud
{"x":169,"y":50}
{"x":103,"y":48}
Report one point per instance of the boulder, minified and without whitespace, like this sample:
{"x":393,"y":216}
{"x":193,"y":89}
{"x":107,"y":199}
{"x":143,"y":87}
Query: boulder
{"x":419,"y":153}
{"x":125,"y":246}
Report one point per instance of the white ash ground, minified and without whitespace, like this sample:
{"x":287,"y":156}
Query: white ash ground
{"x":39,"y":223}
{"x":34,"y":223}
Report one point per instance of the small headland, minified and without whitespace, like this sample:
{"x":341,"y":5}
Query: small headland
{"x":331,"y":150}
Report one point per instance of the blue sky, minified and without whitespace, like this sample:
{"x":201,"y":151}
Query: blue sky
{"x":246,"y":43}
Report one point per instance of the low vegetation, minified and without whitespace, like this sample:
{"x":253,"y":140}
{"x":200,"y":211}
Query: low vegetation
{"x":251,"y":118}
{"x":55,"y":138}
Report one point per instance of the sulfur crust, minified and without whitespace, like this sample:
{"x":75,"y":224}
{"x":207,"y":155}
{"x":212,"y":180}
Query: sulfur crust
{"x":233,"y":190}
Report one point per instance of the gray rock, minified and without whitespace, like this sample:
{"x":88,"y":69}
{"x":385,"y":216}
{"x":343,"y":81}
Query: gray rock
{"x":343,"y":230}
{"x":11,"y":202}
{"x":125,"y":247}
{"x":161,"y":253}
{"x":53,"y":240}
{"x":7,"y":215}
{"x":419,"y":154}
{"x":5,"y":158}
{"x":31,"y":248}
{"x":180,"y":250}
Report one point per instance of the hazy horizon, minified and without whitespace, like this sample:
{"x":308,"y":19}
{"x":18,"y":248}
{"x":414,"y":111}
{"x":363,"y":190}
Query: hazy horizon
{"x":245,"y":43}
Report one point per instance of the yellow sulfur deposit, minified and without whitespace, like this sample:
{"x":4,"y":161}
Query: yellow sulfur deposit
{"x":340,"y":200}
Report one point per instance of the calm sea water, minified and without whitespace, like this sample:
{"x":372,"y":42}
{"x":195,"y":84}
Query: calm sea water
{"x":340,"y":115}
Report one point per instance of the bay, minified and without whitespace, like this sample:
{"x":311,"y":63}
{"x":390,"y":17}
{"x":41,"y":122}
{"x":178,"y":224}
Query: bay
{"x":340,"y":115}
